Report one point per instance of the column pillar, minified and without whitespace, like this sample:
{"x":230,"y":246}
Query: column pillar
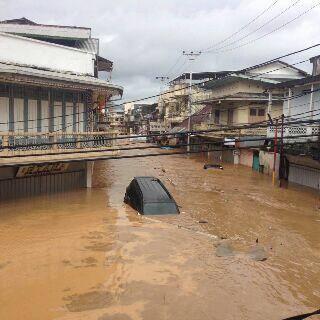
{"x":311,"y":102}
{"x":270,"y":102}
{"x":89,"y":173}
{"x":289,"y":102}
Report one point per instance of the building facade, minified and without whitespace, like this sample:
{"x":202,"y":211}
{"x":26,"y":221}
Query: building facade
{"x":51,"y":99}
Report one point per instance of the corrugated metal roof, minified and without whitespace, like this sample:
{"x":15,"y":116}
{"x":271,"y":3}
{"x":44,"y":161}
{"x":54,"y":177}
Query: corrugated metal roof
{"x":89,"y":45}
{"x":235,"y":77}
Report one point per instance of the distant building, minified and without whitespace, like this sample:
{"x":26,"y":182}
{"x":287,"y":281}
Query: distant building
{"x":137,"y":119}
{"x":115,"y":118}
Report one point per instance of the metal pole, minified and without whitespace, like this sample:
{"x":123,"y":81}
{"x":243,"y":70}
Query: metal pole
{"x":189,"y":111}
{"x":275,"y":153}
{"x":192,"y":56}
{"x":281,"y":151}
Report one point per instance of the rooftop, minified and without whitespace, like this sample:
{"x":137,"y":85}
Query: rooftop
{"x":26,"y":27}
{"x":25,"y":21}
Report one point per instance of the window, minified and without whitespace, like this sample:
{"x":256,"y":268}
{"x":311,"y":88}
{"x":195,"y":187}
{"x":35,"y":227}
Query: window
{"x":261,"y":112}
{"x":253,"y":112}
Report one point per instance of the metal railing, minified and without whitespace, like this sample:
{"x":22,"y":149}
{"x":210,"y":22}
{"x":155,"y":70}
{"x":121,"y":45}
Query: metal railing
{"x":236,"y":132}
{"x":24,"y":143}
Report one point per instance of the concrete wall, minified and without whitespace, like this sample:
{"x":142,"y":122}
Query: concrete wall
{"x":266,"y":159}
{"x":276,"y":70}
{"x":20,"y":50}
{"x":302,"y":104}
{"x":246,"y":158}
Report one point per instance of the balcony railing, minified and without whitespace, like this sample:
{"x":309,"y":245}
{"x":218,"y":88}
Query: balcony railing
{"x":220,"y":131}
{"x":25,"y":143}
{"x":298,"y":133}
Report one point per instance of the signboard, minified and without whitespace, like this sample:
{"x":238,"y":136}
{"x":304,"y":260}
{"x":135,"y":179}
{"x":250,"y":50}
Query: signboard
{"x":40,"y":170}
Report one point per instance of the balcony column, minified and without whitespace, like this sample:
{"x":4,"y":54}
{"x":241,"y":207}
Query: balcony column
{"x":89,"y":172}
{"x":311,"y":102}
{"x":289,"y":102}
{"x":270,"y":102}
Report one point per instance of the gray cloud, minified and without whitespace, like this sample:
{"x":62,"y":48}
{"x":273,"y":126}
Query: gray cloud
{"x":144,"y":37}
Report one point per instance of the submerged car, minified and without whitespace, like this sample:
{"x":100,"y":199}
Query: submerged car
{"x":149,"y":196}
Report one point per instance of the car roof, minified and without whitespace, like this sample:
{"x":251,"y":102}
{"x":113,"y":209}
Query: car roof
{"x":153,"y":190}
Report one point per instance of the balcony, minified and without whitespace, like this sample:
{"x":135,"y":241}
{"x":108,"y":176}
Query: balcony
{"x":294,"y":133}
{"x":24,"y":148}
{"x":219,"y":130}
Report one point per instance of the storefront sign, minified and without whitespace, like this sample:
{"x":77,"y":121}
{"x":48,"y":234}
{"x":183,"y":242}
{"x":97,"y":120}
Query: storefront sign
{"x":40,"y":170}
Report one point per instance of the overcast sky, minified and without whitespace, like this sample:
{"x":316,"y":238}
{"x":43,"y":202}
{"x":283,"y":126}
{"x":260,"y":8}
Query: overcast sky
{"x":144,"y":38}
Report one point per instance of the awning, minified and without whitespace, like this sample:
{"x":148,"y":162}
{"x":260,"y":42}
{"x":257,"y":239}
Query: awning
{"x":49,"y":78}
{"x":104,"y":64}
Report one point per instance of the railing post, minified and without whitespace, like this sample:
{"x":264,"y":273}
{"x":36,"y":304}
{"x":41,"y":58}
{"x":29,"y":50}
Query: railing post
{"x":78,"y":143}
{"x":5,"y":144}
{"x":53,"y":140}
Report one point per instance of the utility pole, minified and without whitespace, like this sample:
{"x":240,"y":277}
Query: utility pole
{"x":275,"y":147}
{"x":281,"y":166}
{"x":191,"y":56}
{"x":162,"y":80}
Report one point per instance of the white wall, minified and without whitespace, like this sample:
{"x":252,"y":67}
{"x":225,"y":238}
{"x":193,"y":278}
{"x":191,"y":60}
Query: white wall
{"x":31,"y":52}
{"x":276,"y":70}
{"x":4,"y":114}
{"x":302,"y":104}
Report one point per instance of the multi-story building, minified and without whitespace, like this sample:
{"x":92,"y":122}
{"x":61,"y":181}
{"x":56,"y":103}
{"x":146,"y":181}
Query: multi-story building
{"x":242,"y":97}
{"x":51,"y":98}
{"x":115,"y":118}
{"x":138,"y":117}
{"x":173,"y":103}
{"x":302,"y":142}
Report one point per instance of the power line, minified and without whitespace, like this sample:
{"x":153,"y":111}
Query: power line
{"x":259,"y":28}
{"x":243,"y":27}
{"x":272,"y":31}
{"x":200,"y":83}
{"x":229,"y":128}
{"x":143,"y":155}
{"x":206,"y":81}
{"x":157,"y":147}
{"x":173,"y":66}
{"x":275,"y":59}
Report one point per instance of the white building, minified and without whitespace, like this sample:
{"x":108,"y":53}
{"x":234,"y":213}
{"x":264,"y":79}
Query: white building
{"x":51,"y":97}
{"x":301,"y":103}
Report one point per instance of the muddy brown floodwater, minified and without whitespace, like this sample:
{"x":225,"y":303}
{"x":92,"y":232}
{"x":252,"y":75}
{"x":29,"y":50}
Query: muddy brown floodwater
{"x":86,"y":255}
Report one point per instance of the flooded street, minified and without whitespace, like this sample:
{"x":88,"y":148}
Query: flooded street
{"x":87,"y":255}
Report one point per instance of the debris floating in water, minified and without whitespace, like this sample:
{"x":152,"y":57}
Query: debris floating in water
{"x":213,"y":166}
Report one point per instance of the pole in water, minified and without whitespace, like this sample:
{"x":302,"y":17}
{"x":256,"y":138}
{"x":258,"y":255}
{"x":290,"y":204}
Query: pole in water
{"x":191,"y":56}
{"x":275,"y":153}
